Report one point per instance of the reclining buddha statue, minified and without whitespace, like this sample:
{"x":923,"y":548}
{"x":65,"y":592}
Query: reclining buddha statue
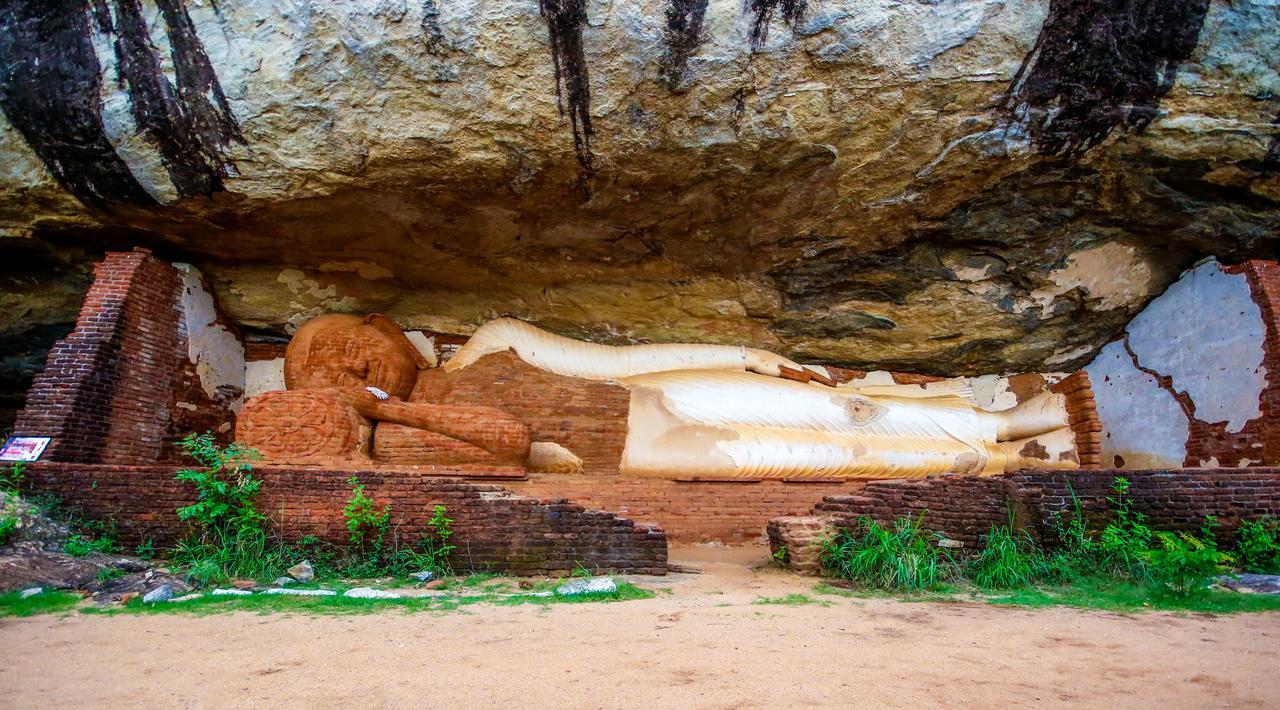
{"x":693,"y":410}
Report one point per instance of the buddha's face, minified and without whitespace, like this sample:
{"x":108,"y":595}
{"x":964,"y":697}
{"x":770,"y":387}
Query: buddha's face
{"x":354,"y":355}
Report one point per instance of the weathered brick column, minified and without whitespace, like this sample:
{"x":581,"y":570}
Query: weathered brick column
{"x":106,"y":390}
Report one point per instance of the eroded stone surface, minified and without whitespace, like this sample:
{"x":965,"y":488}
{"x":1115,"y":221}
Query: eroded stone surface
{"x":874,"y":184}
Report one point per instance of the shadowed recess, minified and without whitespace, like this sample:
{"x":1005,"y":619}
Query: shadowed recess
{"x":762,"y":12}
{"x":50,"y":88}
{"x":1271,"y":161}
{"x":565,"y":19}
{"x":683,"y":34}
{"x":1101,"y":64}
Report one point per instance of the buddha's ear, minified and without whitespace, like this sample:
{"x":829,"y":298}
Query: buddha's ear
{"x":392,"y":330}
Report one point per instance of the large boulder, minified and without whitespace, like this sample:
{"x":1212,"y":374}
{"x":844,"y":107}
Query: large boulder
{"x":948,"y":186}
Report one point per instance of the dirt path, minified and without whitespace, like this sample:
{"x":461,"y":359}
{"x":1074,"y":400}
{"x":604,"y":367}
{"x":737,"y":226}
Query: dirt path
{"x":704,"y":645}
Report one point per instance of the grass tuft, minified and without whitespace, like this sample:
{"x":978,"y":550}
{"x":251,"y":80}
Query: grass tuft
{"x":12,"y":603}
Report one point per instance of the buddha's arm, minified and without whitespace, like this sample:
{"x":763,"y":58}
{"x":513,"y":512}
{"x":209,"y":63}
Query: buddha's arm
{"x":574,"y":358}
{"x":490,"y":429}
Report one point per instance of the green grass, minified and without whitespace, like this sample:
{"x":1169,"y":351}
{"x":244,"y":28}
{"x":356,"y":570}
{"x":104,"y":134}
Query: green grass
{"x":11,"y":604}
{"x":340,"y":605}
{"x":1110,"y":595}
{"x":834,"y":591}
{"x":789,"y":600}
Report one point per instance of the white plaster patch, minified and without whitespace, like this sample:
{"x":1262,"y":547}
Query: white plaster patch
{"x":1113,"y":274}
{"x":216,"y":352}
{"x":991,"y":392}
{"x":263,"y":376}
{"x":1142,"y":423}
{"x":1207,"y":334}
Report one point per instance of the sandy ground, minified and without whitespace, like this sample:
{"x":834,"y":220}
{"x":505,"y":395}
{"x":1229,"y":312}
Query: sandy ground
{"x":704,"y":645}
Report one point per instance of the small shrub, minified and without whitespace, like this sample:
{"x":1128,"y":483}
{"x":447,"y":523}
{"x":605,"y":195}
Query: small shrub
{"x":375,"y":552}
{"x":904,"y":557}
{"x":1259,"y":544}
{"x":8,"y":528}
{"x":12,"y":478}
{"x":228,"y":535}
{"x":1010,"y":559}
{"x":1119,"y":550}
{"x":145,"y":549}
{"x":367,"y":524}
{"x":780,"y":555}
{"x":1125,"y":541}
{"x":106,"y":574}
{"x":1185,"y":563}
{"x":78,"y":545}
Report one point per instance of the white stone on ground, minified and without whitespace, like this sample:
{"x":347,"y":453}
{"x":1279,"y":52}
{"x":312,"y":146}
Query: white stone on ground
{"x":301,"y":592}
{"x":30,"y":592}
{"x":162,"y":593}
{"x":231,"y":593}
{"x":595,"y":585}
{"x":370,"y":593}
{"x":187,"y":597}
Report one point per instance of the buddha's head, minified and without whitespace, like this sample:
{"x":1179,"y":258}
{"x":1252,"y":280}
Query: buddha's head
{"x":352,"y":351}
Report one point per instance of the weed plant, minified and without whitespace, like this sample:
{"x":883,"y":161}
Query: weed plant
{"x":904,"y":557}
{"x":1009,"y":560}
{"x":1258,"y":543}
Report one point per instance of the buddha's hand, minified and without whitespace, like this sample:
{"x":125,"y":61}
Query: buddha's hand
{"x":378,"y":393}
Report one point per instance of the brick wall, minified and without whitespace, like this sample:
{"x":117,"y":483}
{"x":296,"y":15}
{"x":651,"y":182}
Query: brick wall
{"x":965,"y":508}
{"x":257,"y":350}
{"x":494,"y":528}
{"x":107,"y":388}
{"x":733,"y":511}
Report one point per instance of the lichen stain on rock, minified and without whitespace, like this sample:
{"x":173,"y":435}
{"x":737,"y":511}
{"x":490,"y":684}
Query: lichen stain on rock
{"x":565,"y":19}
{"x":682,"y":34}
{"x":200,"y":95}
{"x":50,"y":89}
{"x":52,"y":94}
{"x":762,"y":12}
{"x":156,"y":109}
{"x":1099,"y":65}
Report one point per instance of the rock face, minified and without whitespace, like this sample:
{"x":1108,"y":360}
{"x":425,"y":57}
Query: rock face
{"x":946,"y":186}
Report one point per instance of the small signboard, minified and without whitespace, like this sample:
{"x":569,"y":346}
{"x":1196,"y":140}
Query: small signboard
{"x":24,"y":448}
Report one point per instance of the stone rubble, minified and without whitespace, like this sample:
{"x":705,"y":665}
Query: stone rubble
{"x":1251,"y":583}
{"x":303,"y":572}
{"x":160,"y":594}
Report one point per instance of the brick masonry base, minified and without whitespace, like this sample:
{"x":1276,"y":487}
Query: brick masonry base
{"x":965,"y":508}
{"x":691,"y":511}
{"x":494,"y":528}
